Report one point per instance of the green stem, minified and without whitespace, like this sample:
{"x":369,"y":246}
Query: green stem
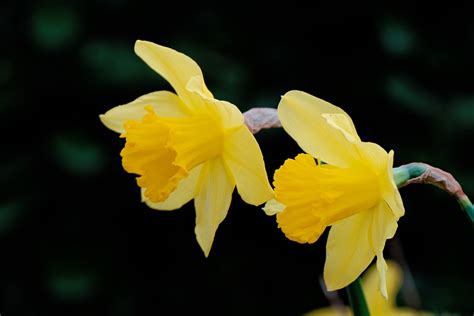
{"x":418,"y":172}
{"x":357,"y":299}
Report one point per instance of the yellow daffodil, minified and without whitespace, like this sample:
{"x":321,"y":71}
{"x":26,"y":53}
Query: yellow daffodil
{"x":378,"y":306}
{"x":353,"y":190}
{"x":188,"y":145}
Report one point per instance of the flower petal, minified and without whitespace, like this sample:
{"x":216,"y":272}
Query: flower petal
{"x":174,"y":66}
{"x":378,"y":305}
{"x":382,"y":164}
{"x":390,"y":191}
{"x":374,"y":156}
{"x":383,"y":227}
{"x":164,"y":103}
{"x":243,"y":157}
{"x":319,"y":127}
{"x":273,"y":207}
{"x":348,"y":251}
{"x":212,"y":201}
{"x":181,"y":195}
{"x":228,"y":114}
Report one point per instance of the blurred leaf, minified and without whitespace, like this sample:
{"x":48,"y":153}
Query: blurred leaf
{"x":77,"y":154}
{"x":72,"y":285}
{"x":116,"y":63}
{"x":411,"y":95}
{"x":9,"y":213}
{"x":397,"y":38}
{"x":462,"y":111}
{"x":54,"y":27}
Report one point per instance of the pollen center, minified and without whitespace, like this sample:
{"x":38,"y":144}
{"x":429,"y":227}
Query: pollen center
{"x":162,"y":151}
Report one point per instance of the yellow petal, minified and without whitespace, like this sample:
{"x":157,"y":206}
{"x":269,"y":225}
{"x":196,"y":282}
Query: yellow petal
{"x":228,"y":114}
{"x":378,"y":305}
{"x":184,"y":193}
{"x":273,"y":207}
{"x":348,"y":252}
{"x":382,"y":164}
{"x":212,"y":201}
{"x":343,"y":123}
{"x":390,"y":191}
{"x":373,"y":156}
{"x":164,"y":103}
{"x":383,"y":227}
{"x":245,"y":161}
{"x":174,"y":66}
{"x":319,"y":128}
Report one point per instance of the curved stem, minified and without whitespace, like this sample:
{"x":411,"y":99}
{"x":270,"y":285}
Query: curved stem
{"x":418,"y":172}
{"x":257,"y":119}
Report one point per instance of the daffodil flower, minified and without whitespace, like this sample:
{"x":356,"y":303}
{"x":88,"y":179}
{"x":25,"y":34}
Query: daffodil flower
{"x":378,"y":306}
{"x":188,"y":145}
{"x":353,"y":191}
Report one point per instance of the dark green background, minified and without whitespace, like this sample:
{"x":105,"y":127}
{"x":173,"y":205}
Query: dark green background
{"x":75,"y":238}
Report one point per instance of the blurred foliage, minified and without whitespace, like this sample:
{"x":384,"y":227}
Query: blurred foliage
{"x":407,"y":93}
{"x":114,"y":63}
{"x":9,"y":214}
{"x":71,"y":285}
{"x":54,"y":26}
{"x":75,"y":238}
{"x":397,"y":38}
{"x":78,"y":154}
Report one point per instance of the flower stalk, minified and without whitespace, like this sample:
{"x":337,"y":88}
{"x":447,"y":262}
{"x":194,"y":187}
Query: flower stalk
{"x":357,"y":299}
{"x":422,"y":173}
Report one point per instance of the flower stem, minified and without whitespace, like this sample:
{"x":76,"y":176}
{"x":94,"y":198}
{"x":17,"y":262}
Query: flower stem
{"x":257,"y":119}
{"x":357,"y":299}
{"x":417,"y":172}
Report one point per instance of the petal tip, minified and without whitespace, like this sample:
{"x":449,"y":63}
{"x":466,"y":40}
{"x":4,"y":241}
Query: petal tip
{"x":110,"y":124}
{"x":141,"y":45}
{"x":273,"y":207}
{"x":331,"y":286}
{"x":205,"y":246}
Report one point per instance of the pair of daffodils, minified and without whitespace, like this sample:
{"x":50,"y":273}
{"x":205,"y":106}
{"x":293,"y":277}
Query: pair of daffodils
{"x":190,"y":145}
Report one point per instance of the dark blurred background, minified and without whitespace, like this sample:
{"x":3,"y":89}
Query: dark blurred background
{"x":75,"y":238}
